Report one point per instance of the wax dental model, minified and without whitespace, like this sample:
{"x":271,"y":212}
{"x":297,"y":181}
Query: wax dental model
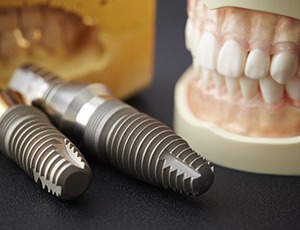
{"x":240,"y":100}
{"x":89,"y":37}
{"x":45,"y":154}
{"x":116,"y":132}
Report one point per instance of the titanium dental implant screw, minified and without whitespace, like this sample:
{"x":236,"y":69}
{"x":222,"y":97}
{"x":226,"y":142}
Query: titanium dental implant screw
{"x":45,"y":154}
{"x":116,"y":132}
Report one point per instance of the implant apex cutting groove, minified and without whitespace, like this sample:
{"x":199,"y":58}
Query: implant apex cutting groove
{"x":45,"y":154}
{"x":132,"y":141}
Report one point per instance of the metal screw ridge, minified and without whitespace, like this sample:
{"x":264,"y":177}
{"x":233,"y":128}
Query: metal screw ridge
{"x":132,"y":141}
{"x":44,"y":153}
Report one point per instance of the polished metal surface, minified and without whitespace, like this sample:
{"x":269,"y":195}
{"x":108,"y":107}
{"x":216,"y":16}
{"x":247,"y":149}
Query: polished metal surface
{"x":44,"y":153}
{"x":132,"y":141}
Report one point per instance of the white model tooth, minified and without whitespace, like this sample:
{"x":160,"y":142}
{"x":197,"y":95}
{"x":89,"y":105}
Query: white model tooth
{"x":284,"y":66}
{"x":192,"y":3}
{"x":196,"y":66}
{"x":207,"y":51}
{"x":231,"y":60}
{"x":218,"y":80}
{"x":195,"y":40}
{"x":188,"y":34}
{"x":293,"y":88}
{"x":206,"y":76}
{"x":257,"y":64}
{"x":232,"y":85}
{"x":249,"y":87}
{"x":272,"y":92}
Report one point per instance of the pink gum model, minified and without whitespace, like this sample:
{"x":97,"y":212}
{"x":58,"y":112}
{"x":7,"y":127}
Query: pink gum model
{"x":239,"y":103}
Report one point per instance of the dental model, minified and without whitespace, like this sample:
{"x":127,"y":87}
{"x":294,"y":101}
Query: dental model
{"x":39,"y":32}
{"x":88,"y":37}
{"x":240,"y":101}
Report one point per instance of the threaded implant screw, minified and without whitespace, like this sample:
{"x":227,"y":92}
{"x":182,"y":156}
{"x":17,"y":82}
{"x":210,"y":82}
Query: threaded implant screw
{"x":132,"y":141}
{"x":45,"y":154}
{"x":147,"y":149}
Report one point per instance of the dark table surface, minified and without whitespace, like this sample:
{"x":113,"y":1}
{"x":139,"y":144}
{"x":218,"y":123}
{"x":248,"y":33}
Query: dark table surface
{"x":236,"y":200}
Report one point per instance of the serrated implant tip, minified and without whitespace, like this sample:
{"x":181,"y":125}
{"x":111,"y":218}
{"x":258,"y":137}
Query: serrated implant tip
{"x":75,"y":182}
{"x":43,"y":152}
{"x":75,"y":179}
{"x":154,"y":153}
{"x":186,"y":171}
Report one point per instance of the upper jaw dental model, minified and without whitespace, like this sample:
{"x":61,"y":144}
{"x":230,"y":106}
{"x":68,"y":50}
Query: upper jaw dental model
{"x":240,"y":101}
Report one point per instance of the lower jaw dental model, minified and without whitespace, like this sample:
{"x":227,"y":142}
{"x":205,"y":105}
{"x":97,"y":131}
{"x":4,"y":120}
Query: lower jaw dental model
{"x":240,"y":101}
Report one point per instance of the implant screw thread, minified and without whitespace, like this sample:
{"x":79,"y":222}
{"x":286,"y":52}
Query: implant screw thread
{"x":29,"y":139}
{"x":147,"y":149}
{"x":132,"y":141}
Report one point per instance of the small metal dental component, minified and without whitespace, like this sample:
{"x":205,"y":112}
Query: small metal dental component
{"x":116,"y":132}
{"x":45,"y":154}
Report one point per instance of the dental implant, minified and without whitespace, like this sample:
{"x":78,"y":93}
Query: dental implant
{"x":45,"y":154}
{"x":132,"y":141}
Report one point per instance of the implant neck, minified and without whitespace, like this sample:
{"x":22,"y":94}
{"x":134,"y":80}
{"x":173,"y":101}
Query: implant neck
{"x":8,"y":99}
{"x":33,"y":83}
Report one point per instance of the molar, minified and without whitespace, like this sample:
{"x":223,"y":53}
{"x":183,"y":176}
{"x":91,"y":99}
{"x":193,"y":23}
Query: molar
{"x":284,"y":66}
{"x":231,"y":59}
{"x":257,"y":64}
{"x":272,"y":92}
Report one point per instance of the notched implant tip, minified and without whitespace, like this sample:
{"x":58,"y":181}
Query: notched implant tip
{"x":71,"y":184}
{"x":188,"y":173}
{"x":204,"y":181}
{"x":75,"y":182}
{"x":68,"y":176}
{"x":76,"y":178}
